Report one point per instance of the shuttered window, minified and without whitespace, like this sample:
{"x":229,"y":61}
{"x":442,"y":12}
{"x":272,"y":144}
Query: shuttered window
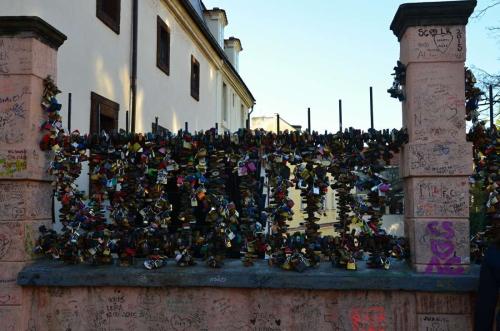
{"x":108,"y":11}
{"x":163,"y":46}
{"x":103,"y":114}
{"x":195,"y":78}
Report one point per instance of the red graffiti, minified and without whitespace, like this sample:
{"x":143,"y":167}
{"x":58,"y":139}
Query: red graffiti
{"x":368,"y":319}
{"x":443,"y":249}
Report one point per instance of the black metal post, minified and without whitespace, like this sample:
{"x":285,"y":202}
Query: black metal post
{"x":99,"y":120}
{"x":216,"y":127}
{"x":371,"y":106}
{"x":491,"y":107}
{"x":69,"y":112}
{"x":248,"y":118}
{"x":186,"y":127}
{"x":126,"y":122}
{"x":133,"y":76}
{"x":340,"y":115}
{"x":156,"y":125}
{"x":278,"y":123}
{"x":309,"y":120}
{"x":53,"y":207}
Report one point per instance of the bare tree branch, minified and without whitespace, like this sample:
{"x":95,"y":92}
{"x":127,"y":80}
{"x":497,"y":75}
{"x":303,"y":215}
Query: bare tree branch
{"x":481,"y":12}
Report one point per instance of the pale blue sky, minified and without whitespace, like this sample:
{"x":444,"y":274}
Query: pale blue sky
{"x":304,"y":53}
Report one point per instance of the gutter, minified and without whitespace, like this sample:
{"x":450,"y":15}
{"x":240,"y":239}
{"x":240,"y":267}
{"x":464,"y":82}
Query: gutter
{"x":133,"y":77}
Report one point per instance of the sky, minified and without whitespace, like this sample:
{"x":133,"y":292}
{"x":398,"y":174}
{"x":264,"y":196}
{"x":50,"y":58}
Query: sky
{"x":304,"y":53}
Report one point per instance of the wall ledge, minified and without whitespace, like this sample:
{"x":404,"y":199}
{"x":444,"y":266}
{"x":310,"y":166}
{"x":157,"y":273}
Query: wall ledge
{"x":234,"y":275}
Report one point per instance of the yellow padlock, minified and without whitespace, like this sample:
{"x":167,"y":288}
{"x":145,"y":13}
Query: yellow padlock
{"x":351,"y":265}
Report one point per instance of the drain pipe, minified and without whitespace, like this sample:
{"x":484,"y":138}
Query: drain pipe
{"x":248,"y":118}
{"x":133,"y":78}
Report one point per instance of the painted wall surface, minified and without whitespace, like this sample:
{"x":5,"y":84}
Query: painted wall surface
{"x":169,"y":96}
{"x":96,"y":59}
{"x":103,"y":309}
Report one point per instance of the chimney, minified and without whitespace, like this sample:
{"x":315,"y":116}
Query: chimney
{"x":216,"y":21}
{"x":232,"y":47}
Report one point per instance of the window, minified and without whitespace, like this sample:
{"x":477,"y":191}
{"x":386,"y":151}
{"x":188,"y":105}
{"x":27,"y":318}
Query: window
{"x":108,"y":11}
{"x":195,"y":78}
{"x":163,"y":46}
{"x":224,"y":102}
{"x":103,"y":114}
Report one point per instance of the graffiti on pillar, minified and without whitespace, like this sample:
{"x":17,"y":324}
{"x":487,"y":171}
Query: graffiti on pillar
{"x":442,"y":245}
{"x":4,"y":244}
{"x":437,"y":105}
{"x":368,"y":319}
{"x":334,"y":316}
{"x":12,"y":161}
{"x":441,"y":197}
{"x":13,"y":110}
{"x":447,"y":158}
{"x":439,"y":42}
{"x":21,"y":200}
{"x":443,"y":322}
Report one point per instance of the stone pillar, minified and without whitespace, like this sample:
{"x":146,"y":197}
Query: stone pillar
{"x":28,"y":54}
{"x":437,"y":160}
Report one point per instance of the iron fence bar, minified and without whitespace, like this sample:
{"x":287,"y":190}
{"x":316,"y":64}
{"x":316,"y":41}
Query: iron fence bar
{"x":309,"y":120}
{"x":340,"y":115}
{"x":491,"y":107}
{"x":69,"y":112}
{"x":371,"y":107}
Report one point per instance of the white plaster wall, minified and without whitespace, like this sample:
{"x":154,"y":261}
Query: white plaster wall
{"x":94,"y":58}
{"x":169,"y":97}
{"x":217,"y":30}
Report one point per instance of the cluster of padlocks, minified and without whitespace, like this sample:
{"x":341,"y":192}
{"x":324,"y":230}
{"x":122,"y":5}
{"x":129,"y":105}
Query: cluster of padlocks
{"x":209,"y":196}
{"x":486,"y":176}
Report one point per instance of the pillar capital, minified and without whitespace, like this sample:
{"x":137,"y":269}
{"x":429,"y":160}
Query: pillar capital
{"x":431,"y":13}
{"x":31,"y":27}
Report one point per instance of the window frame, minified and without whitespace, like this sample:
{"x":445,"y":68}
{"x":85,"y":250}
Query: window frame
{"x":110,"y":22}
{"x":111,"y":110}
{"x":160,"y":27}
{"x":195,"y":79}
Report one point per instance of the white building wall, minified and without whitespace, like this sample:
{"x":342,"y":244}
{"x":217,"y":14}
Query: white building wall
{"x":169,"y":96}
{"x":94,"y":58}
{"x":217,"y":30}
